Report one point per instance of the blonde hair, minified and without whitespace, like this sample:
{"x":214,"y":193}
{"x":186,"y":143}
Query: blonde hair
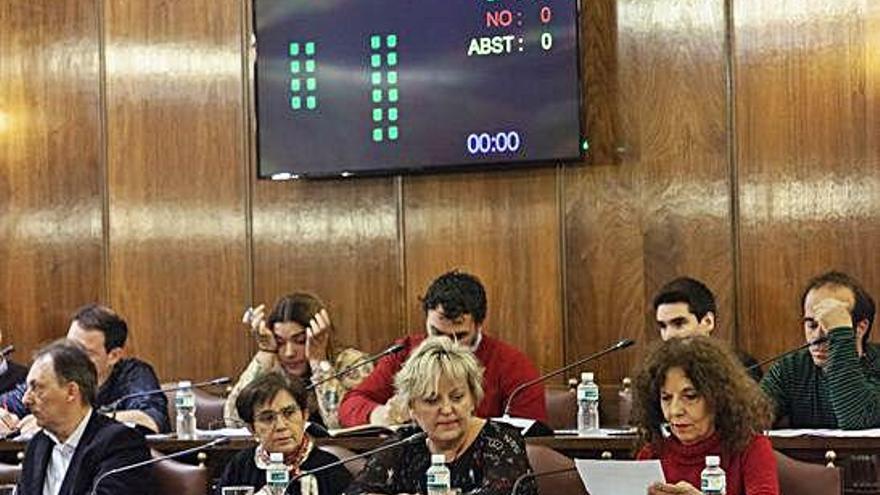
{"x":438,"y":357}
{"x":348,"y":357}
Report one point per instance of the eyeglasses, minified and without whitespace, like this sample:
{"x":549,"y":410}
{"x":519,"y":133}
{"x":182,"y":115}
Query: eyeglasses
{"x":268,"y":417}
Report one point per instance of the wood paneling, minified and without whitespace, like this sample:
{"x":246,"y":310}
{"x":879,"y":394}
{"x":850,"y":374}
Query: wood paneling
{"x":176,"y":176}
{"x":502,"y":227}
{"x":339,"y":240}
{"x":653,"y":201}
{"x":50,"y":203}
{"x":808,"y":155}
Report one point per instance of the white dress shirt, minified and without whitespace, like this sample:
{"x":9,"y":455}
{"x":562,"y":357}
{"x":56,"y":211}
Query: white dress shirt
{"x":62,"y":453}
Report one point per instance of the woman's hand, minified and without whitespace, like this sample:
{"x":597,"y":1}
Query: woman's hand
{"x":318,"y":336}
{"x":265,"y":337}
{"x":680,"y":488}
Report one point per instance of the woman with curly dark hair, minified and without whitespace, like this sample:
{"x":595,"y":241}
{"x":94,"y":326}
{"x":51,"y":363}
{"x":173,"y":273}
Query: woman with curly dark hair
{"x":694,"y":399}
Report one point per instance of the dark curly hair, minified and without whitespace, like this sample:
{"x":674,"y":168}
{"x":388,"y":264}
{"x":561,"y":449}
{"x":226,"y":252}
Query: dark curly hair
{"x":459,"y":293}
{"x":740,"y":407}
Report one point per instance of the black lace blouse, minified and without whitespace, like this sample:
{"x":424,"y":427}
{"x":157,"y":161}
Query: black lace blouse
{"x":489,"y":466}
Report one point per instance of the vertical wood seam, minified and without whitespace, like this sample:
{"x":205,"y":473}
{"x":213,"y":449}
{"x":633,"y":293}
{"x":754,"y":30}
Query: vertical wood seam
{"x":561,"y":261}
{"x":730,"y":103}
{"x":247,"y":157}
{"x":103,"y":154}
{"x":401,"y":258}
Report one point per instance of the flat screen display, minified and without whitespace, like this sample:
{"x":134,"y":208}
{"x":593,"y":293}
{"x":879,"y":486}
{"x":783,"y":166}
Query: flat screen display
{"x":349,"y":87}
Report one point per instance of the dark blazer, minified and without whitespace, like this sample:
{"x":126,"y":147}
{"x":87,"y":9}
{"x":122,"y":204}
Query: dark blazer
{"x":15,"y":374}
{"x":243,"y":471}
{"x":106,"y":444}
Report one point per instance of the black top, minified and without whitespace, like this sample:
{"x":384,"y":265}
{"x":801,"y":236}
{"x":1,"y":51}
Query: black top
{"x":489,"y":466}
{"x":105,"y":444}
{"x":243,"y":471}
{"x":15,"y":374}
{"x":133,"y":375}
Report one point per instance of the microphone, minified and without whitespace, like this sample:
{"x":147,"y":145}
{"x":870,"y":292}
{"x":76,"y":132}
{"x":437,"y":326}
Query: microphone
{"x":111,"y":407}
{"x":410,"y":439}
{"x":154,"y":460}
{"x":7,"y":350}
{"x":524,"y":476}
{"x":367,"y":360}
{"x":619,"y":345}
{"x":817,"y":341}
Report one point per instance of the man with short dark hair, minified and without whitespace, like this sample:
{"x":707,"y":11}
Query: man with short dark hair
{"x":76,"y":445}
{"x":455,"y":306}
{"x":103,"y":333}
{"x":684,"y":307}
{"x":835,"y":384}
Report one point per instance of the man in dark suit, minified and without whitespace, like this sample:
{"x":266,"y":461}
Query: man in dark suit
{"x":77,"y":447}
{"x":11,"y":373}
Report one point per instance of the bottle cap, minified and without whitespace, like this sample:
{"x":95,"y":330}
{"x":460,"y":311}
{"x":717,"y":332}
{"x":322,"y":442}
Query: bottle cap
{"x":587,"y":376}
{"x":184,"y":383}
{"x":627,"y":381}
{"x":276,"y":457}
{"x":713,"y":461}
{"x":438,"y":459}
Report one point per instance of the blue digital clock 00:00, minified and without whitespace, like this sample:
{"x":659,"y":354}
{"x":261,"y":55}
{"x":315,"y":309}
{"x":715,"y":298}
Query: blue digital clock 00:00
{"x":500,"y":142}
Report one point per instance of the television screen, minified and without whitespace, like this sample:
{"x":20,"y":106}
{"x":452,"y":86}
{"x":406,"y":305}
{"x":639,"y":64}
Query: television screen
{"x":349,"y":87}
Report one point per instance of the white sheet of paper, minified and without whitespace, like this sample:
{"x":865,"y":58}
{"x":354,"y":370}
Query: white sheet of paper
{"x":619,"y":477}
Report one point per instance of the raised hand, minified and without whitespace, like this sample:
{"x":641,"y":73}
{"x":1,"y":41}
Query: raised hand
{"x":680,"y":488}
{"x":318,"y":336}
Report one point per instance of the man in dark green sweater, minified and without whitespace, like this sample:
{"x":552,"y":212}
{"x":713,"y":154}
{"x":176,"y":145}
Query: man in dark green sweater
{"x":835,"y":384}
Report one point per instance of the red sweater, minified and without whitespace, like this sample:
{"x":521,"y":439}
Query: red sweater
{"x":505,"y":368}
{"x":750,"y":472}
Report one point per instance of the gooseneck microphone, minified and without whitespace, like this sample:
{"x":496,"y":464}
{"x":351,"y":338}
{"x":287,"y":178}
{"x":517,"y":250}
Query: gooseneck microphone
{"x":525,"y":476}
{"x":817,"y":341}
{"x":404,"y":441}
{"x":154,"y":460}
{"x":111,"y":407}
{"x":367,"y":360}
{"x":619,"y":345}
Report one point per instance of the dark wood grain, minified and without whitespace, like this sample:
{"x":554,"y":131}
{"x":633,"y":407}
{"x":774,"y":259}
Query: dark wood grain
{"x":654,"y":202}
{"x":338,"y":240}
{"x":502,"y":227}
{"x":50,"y":194}
{"x":808,"y":156}
{"x":176,"y":176}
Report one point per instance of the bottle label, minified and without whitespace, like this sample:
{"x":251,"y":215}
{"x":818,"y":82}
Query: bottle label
{"x":713,"y":485}
{"x":183,"y":401}
{"x":588,"y":393}
{"x":277,"y":476}
{"x":438,"y":481}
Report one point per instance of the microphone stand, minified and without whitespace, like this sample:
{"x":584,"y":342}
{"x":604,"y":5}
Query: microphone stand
{"x":524,"y":476}
{"x":820,"y":340}
{"x":111,"y":407}
{"x":391,"y":350}
{"x":620,"y":345}
{"x":410,"y":439}
{"x":154,"y":460}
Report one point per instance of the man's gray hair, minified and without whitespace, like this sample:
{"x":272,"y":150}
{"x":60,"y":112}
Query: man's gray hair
{"x":71,"y":364}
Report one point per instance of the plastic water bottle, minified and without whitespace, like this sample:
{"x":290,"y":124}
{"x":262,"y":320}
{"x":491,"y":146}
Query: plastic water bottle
{"x":277,"y":475}
{"x":713,"y":481}
{"x":185,"y":403}
{"x":439,"y":480}
{"x":588,"y":405}
{"x":625,"y":402}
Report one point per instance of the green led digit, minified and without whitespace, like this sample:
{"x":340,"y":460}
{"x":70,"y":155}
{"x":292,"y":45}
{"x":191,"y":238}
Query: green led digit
{"x":384,"y":92}
{"x":303,"y":96}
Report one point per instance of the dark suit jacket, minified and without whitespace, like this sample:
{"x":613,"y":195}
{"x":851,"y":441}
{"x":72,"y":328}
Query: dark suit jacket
{"x":15,"y":374}
{"x":106,"y":444}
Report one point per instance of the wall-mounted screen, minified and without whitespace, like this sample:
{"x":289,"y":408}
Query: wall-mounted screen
{"x":348,"y":87}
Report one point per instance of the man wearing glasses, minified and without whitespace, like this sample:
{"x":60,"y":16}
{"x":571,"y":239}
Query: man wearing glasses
{"x":455,"y":307}
{"x":835,"y":384}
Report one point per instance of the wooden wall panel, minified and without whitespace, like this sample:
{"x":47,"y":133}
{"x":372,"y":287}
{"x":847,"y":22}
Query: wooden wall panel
{"x":339,"y":240}
{"x":50,"y":203}
{"x":502,"y":227}
{"x":653,"y":200}
{"x":808,"y":153}
{"x":177,"y":181}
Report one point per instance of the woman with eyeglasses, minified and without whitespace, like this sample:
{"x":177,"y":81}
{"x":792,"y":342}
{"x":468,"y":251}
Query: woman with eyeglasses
{"x":295,"y":339}
{"x":441,"y":384}
{"x":274,"y":408}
